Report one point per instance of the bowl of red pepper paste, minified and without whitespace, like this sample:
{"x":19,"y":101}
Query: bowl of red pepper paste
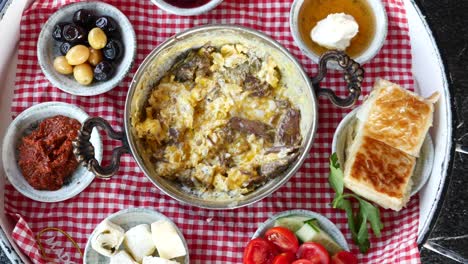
{"x":38,"y":154}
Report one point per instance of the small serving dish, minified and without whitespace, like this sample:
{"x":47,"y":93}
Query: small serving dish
{"x":422,"y":169}
{"x":299,"y":17}
{"x":127,"y":219}
{"x":21,"y":126}
{"x":187,"y":7}
{"x":325,"y":224}
{"x":48,"y":49}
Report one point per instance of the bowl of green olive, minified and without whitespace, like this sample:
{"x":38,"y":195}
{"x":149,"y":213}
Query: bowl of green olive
{"x":86,"y":48}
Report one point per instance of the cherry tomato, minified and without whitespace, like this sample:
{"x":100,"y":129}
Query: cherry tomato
{"x":302,"y":261}
{"x":284,"y":239}
{"x":259,"y":251}
{"x":314,"y":252}
{"x":344,"y":257}
{"x":284,"y":258}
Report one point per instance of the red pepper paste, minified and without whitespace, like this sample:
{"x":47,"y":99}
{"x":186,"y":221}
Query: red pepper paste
{"x":46,"y":155}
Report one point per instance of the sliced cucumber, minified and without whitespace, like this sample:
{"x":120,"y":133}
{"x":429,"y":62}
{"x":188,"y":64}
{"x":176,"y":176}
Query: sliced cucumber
{"x":311,"y":232}
{"x":293,"y":222}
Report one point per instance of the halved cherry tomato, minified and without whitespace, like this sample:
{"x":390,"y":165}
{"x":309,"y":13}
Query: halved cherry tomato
{"x":344,"y":257}
{"x":284,"y":239}
{"x":259,"y":251}
{"x":314,"y":252}
{"x":302,"y":261}
{"x":284,"y":258}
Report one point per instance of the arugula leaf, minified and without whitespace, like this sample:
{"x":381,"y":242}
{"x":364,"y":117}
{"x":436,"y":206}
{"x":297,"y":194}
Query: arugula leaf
{"x":346,"y":205}
{"x":367,"y":212}
{"x":336,"y":175}
{"x":362,"y":238}
{"x":372,"y":214}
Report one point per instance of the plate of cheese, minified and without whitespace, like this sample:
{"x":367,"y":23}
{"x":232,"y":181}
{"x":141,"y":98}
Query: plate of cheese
{"x":136,"y":236}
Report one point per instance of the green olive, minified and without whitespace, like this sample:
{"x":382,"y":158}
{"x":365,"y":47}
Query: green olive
{"x":95,"y":56}
{"x":97,"y":38}
{"x":83,"y":73}
{"x":61,"y":65}
{"x":77,"y":55}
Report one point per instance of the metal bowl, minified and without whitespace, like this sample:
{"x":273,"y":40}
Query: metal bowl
{"x":325,"y":224}
{"x":298,"y":85}
{"x":127,"y":219}
{"x":48,"y":49}
{"x":193,"y":11}
{"x":23,"y":125}
{"x":377,"y":9}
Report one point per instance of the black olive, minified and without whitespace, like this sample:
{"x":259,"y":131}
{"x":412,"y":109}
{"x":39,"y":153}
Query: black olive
{"x":57,"y":33}
{"x":103,"y":71}
{"x":107,"y":24}
{"x":74,"y":34}
{"x":65,"y":47}
{"x":113,"y":50}
{"x":84,"y":18}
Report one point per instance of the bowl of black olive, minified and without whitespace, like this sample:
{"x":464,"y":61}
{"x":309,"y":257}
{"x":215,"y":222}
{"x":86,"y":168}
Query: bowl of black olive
{"x":86,"y":48}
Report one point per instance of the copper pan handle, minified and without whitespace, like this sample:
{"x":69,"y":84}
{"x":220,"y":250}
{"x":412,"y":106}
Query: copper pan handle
{"x":84,"y":150}
{"x":353,"y":75}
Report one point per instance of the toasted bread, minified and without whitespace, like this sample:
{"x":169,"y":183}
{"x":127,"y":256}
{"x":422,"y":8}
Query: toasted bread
{"x":379,"y":172}
{"x":397,"y":117}
{"x":386,"y":140}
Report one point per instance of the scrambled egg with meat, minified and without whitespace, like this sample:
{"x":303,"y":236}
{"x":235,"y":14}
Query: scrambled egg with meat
{"x":219,"y":122}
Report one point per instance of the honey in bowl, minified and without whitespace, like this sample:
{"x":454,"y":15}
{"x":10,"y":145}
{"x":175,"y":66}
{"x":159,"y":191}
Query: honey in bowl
{"x":312,"y":11}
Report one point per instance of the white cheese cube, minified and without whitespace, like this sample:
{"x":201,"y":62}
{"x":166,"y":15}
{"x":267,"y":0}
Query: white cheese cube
{"x":138,"y":242}
{"x":107,"y":238}
{"x":122,"y":257}
{"x":167,"y":240}
{"x":157,"y":260}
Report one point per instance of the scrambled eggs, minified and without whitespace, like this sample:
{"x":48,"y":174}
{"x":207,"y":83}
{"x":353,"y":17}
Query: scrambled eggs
{"x":218,"y":121}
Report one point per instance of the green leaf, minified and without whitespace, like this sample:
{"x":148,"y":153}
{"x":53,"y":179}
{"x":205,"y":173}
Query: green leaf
{"x":367,"y":212}
{"x":362,"y":238}
{"x":346,"y":205}
{"x":371,"y":213}
{"x":335,"y":177}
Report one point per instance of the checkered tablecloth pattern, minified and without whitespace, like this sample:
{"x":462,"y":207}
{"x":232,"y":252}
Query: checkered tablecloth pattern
{"x":212,"y":236}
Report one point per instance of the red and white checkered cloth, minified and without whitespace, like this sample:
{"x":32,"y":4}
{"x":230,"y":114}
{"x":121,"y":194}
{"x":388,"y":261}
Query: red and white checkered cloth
{"x":212,"y":236}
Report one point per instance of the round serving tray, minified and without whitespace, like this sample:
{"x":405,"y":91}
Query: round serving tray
{"x":429,"y":71}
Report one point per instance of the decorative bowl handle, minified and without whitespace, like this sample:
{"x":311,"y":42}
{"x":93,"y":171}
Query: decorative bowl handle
{"x":353,"y":75}
{"x":84,"y":150}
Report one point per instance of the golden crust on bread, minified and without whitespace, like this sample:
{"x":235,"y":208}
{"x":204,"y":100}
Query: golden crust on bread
{"x":379,"y":172}
{"x":398,"y":117}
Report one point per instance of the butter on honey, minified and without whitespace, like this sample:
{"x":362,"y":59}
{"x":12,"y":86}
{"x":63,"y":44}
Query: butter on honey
{"x":335,"y":31}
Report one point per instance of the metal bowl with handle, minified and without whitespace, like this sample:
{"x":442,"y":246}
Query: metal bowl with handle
{"x":301,"y":90}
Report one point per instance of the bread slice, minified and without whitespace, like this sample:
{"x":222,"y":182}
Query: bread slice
{"x":379,"y":172}
{"x":397,"y":117}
